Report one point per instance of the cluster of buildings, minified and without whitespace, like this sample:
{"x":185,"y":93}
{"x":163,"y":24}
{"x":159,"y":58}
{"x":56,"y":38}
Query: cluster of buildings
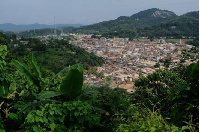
{"x":125,"y":60}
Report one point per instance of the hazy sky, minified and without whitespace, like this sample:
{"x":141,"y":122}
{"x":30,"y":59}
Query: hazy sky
{"x":83,"y":11}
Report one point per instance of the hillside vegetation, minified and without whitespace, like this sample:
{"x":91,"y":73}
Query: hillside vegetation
{"x":150,"y":23}
{"x":186,"y":25}
{"x":142,"y":19}
{"x":54,"y":56}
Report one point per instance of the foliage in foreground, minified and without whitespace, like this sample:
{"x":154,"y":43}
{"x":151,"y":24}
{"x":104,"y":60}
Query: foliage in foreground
{"x":145,"y":120}
{"x":58,"y":117}
{"x":175,"y":97}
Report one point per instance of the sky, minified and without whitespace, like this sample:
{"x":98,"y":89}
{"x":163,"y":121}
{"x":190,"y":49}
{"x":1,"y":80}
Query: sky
{"x":83,"y":11}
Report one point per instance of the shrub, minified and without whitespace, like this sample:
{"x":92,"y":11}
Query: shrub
{"x":68,"y":116}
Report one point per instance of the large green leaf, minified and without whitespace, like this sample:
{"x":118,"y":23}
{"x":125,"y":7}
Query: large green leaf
{"x":26,"y":71}
{"x":72,"y":83}
{"x":12,"y":87}
{"x":4,"y":90}
{"x":35,"y":67}
{"x":48,"y":94}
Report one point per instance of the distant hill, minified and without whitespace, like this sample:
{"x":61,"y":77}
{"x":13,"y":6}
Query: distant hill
{"x":151,"y":22}
{"x":185,"y":25}
{"x":18,"y":28}
{"x":194,"y":14}
{"x":37,"y":32}
{"x":153,"y":14}
{"x":141,"y":19}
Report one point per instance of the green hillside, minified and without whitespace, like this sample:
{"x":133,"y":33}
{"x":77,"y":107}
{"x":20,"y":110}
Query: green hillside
{"x":194,"y":14}
{"x":63,"y":54}
{"x":56,"y":55}
{"x":186,"y":25}
{"x":139,"y":20}
{"x":152,"y":22}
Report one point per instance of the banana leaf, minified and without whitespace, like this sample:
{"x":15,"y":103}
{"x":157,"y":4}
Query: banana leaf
{"x":72,"y":84}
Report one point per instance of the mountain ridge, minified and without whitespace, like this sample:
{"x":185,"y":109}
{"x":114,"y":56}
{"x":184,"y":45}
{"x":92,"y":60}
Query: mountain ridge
{"x":25,"y":27}
{"x":150,"y":22}
{"x":154,"y":12}
{"x":185,"y":25}
{"x":141,"y":19}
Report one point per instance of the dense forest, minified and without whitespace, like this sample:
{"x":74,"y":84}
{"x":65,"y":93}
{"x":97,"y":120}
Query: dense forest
{"x":40,"y":92}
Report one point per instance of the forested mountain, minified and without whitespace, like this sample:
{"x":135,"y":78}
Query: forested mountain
{"x":151,"y":22}
{"x":154,"y":13}
{"x":18,"y":28}
{"x":194,"y":14}
{"x":139,"y":20}
{"x":184,"y":25}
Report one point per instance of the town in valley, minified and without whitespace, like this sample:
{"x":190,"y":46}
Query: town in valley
{"x":126,"y":60}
